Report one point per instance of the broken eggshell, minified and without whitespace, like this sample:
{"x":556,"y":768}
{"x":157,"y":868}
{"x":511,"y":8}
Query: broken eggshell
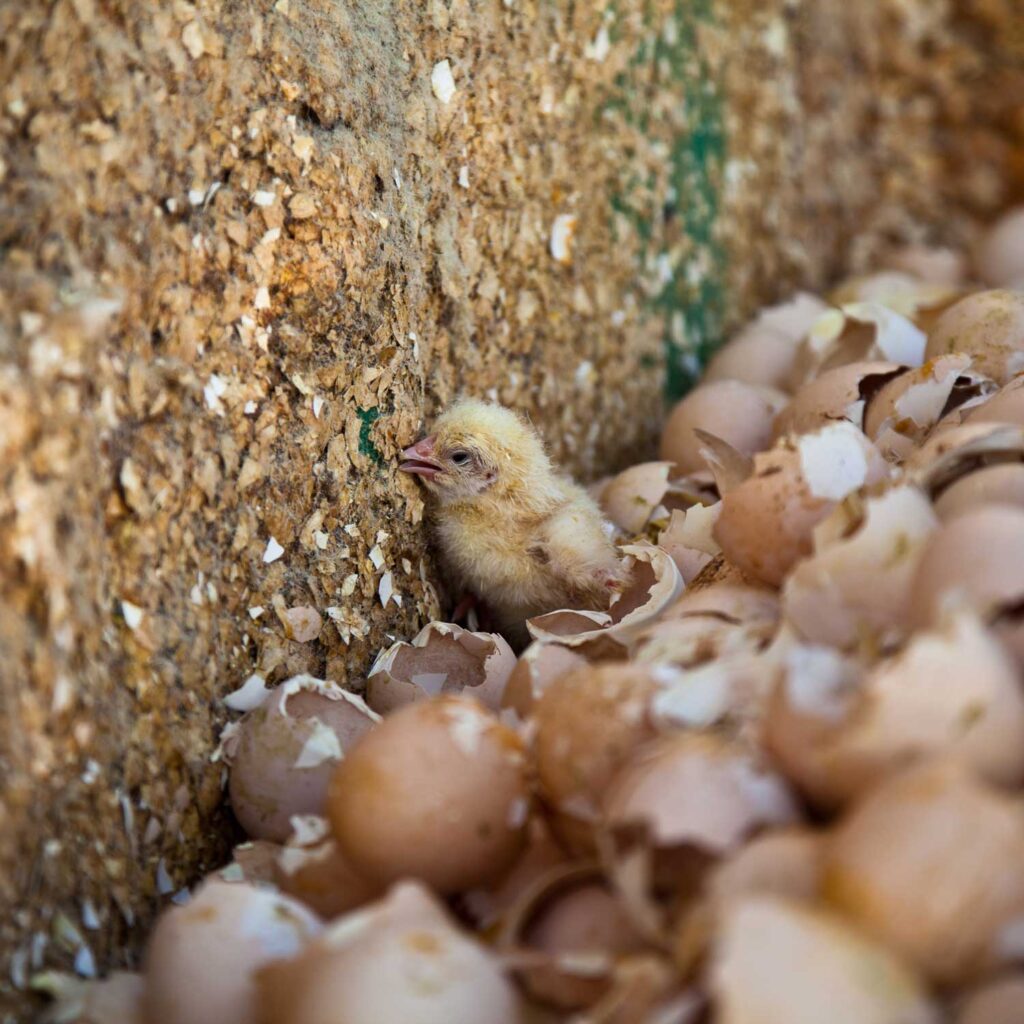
{"x":282,"y":754}
{"x":537,"y":668}
{"x":1000,"y":484}
{"x":687,"y":538}
{"x":930,"y":264}
{"x":951,"y":690}
{"x":995,"y":1002}
{"x":402,"y":959}
{"x":437,"y":792}
{"x":629,"y":498}
{"x":201,"y":959}
{"x":442,"y":658}
{"x":856,"y":584}
{"x":929,"y":863}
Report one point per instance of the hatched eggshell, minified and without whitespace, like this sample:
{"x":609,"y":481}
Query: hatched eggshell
{"x":953,"y":690}
{"x":587,"y":722}
{"x":739,"y":601}
{"x":763,"y":351}
{"x":436,"y":792}
{"x":699,"y":790}
{"x":678,"y":538}
{"x":251,"y":862}
{"x":442,"y":658}
{"x":1001,"y":484}
{"x":929,"y":863}
{"x":537,"y":668}
{"x":840,"y":393}
{"x":401,"y":960}
{"x":951,"y":454}
{"x":995,"y":1002}
{"x":859,"y":585}
{"x":1005,"y":406}
{"x":779,"y":962}
{"x":283,"y":754}
{"x":931,"y":264}
{"x":919,"y":300}
{"x":740,"y":414}
{"x":690,"y":640}
{"x":989,"y":327}
{"x":977,"y":559}
{"x":999,"y":254}
{"x":629,"y":498}
{"x":201,"y":959}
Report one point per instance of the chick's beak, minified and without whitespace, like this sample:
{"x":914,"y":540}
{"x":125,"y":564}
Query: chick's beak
{"x":419,"y":459}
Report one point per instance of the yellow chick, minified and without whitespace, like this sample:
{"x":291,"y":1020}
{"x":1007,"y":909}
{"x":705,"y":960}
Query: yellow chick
{"x":513,"y":532}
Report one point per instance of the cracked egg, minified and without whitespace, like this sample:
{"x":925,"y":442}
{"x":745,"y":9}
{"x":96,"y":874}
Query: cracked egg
{"x":987,"y":326}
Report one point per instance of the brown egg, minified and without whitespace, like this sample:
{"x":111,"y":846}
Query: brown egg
{"x":977,"y":558}
{"x":779,"y":962}
{"x":991,"y":485}
{"x":953,"y":690}
{"x":740,"y":414}
{"x":201,"y":958}
{"x":588,"y":723}
{"x":989,"y":327}
{"x":766,"y":524}
{"x":442,"y":658}
{"x":436,"y":792}
{"x":837,"y":394}
{"x":401,"y":960}
{"x":537,"y":668}
{"x":996,"y":1002}
{"x":999,"y":254}
{"x":929,"y":863}
{"x":696,"y":790}
{"x":763,"y":351}
{"x":284,"y":752}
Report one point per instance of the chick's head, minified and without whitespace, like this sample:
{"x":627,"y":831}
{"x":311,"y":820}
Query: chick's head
{"x":477,"y":449}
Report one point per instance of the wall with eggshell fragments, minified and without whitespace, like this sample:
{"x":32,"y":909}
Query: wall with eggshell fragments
{"x":247,"y":250}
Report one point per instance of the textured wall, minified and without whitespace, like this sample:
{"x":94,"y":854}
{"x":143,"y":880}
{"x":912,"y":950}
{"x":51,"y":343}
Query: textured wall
{"x":245,"y":250}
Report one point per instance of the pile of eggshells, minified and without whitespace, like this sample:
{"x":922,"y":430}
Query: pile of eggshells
{"x":780,"y":780}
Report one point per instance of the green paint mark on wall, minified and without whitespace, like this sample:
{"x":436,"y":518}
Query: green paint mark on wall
{"x":674,"y":217}
{"x":367,"y":417}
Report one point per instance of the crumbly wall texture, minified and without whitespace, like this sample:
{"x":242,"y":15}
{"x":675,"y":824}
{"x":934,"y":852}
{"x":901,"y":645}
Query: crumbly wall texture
{"x":247,"y":251}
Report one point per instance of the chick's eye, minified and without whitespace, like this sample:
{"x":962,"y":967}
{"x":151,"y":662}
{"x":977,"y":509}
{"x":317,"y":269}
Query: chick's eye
{"x":460,"y":458}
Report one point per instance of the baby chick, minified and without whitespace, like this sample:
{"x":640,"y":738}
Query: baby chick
{"x":512,"y":530}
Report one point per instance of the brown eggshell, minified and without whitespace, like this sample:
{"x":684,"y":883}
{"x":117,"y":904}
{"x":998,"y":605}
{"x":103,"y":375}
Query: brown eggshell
{"x":837,"y":394}
{"x":201,"y":959}
{"x":437,"y":792}
{"x":780,"y":962}
{"x":976,"y":558}
{"x":629,"y":498}
{"x":992,"y":485}
{"x":1005,"y":406}
{"x":401,"y":960}
{"x":537,"y":668}
{"x":954,"y":690}
{"x":929,"y":863}
{"x":588,"y":722}
{"x":251,"y":862}
{"x":678,"y":538}
{"x":283,"y":753}
{"x":442,"y":658}
{"x":740,"y":414}
{"x":989,"y":327}
{"x":999,"y":254}
{"x":767,"y":523}
{"x":951,"y":454}
{"x":996,"y":1002}
{"x":699,"y":790}
{"x":931,"y":264}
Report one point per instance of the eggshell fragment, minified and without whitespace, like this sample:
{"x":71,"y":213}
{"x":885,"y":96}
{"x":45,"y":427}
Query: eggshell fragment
{"x":436,"y":792}
{"x":201,"y":959}
{"x":949,"y":455}
{"x":767,"y":523}
{"x":442,"y":658}
{"x":400,"y":960}
{"x":999,"y":255}
{"x":837,"y":394}
{"x":931,"y":264}
{"x":629,"y":498}
{"x":764,"y":350}
{"x":778,"y":962}
{"x":987,"y":326}
{"x":682,"y":534}
{"x":537,"y":668}
{"x":858,"y":586}
{"x":588,"y":722}
{"x":992,"y":485}
{"x":953,"y":690}
{"x":284,"y":752}
{"x":929,"y":863}
{"x":996,"y":1002}
{"x":740,"y":414}
{"x":698,"y":790}
{"x":1005,"y":406}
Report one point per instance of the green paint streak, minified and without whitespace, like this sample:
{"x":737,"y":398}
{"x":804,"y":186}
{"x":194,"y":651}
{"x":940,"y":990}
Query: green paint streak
{"x":690,"y":301}
{"x":367,"y":418}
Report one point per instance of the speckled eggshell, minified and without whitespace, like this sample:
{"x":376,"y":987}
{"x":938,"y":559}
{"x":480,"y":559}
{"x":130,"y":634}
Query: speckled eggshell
{"x":989,"y":327}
